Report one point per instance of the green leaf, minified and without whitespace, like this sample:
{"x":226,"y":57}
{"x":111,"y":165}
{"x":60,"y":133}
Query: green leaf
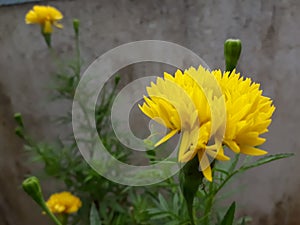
{"x":160,"y":216}
{"x":244,"y":220}
{"x":257,"y":163}
{"x":265,"y":160}
{"x":174,"y":222}
{"x":176,"y":203}
{"x":229,"y":216}
{"x":163,"y":202}
{"x":234,"y":163}
{"x":221,"y":171}
{"x":94,"y":216}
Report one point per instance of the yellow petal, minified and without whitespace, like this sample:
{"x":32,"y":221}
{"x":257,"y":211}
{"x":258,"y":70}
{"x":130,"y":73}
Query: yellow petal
{"x":31,"y":17}
{"x":47,"y":29}
{"x":233,"y":146}
{"x":146,"y":110}
{"x":249,"y":150}
{"x":219,"y":155}
{"x":55,"y":14}
{"x":167,"y":137}
{"x":250,"y":138}
{"x":184,"y":145}
{"x":58,"y":25}
{"x":205,"y":166}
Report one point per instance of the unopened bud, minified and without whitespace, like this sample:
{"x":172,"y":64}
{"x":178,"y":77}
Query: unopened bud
{"x":232,"y":52}
{"x":18,"y":119}
{"x":76,"y":26}
{"x":32,"y":187}
{"x":117,"y":79}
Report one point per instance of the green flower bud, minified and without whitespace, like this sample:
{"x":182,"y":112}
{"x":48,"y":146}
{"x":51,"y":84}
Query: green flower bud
{"x":32,"y":187}
{"x":117,"y":79}
{"x":18,"y":119}
{"x":232,"y":52}
{"x":76,"y":26}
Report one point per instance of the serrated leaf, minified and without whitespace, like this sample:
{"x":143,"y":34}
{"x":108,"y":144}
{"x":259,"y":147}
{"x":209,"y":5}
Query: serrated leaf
{"x":163,"y":202}
{"x":229,"y":216}
{"x":175,"y":204}
{"x":94,"y":216}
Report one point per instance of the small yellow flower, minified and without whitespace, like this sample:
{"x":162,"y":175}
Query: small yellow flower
{"x":63,"y":202}
{"x":248,"y":113}
{"x":46,"y":16}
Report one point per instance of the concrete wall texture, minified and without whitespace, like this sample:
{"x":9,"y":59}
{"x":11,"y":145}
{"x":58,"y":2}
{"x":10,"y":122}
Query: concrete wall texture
{"x":271,"y":50}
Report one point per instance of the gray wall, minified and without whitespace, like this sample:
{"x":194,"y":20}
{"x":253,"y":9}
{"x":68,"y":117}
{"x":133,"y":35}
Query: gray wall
{"x":271,"y":49}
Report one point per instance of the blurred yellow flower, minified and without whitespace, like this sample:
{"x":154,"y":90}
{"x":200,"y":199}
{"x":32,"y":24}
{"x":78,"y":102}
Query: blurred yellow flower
{"x":248,"y":113}
{"x":63,"y":202}
{"x":180,"y":104}
{"x":46,"y":16}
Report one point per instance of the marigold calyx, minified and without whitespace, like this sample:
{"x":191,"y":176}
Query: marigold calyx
{"x":232,"y":52}
{"x":32,"y":187}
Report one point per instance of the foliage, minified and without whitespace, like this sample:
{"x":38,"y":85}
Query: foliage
{"x":106,"y":202}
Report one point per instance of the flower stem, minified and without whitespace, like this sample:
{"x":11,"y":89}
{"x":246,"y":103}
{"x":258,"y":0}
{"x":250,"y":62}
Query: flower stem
{"x":207,"y":210}
{"x":190,"y":179}
{"x":208,"y":204}
{"x":50,"y":214}
{"x":63,"y":218}
{"x":78,"y":60}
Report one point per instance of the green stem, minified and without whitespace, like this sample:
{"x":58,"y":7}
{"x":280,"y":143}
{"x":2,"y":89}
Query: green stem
{"x":78,"y":61}
{"x":190,"y":179}
{"x":50,"y":214}
{"x":64,"y":218}
{"x":190,"y":212}
{"x":208,"y":205}
{"x":225,"y":181}
{"x":234,"y":163}
{"x":232,"y":172}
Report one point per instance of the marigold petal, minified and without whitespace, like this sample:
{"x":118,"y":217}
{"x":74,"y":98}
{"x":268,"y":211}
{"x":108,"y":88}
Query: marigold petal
{"x":166,"y":138}
{"x":249,"y":150}
{"x":233,"y":146}
{"x":184,"y":146}
{"x":250,"y":138}
{"x":58,"y":25}
{"x":47,"y":27}
{"x":205,"y":166}
{"x":219,"y":155}
{"x":31,"y":17}
{"x":55,"y":13}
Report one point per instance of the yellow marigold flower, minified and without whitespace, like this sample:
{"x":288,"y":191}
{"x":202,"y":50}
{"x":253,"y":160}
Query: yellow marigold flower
{"x":248,"y":113}
{"x":180,"y":104}
{"x":46,"y":16}
{"x":63,"y":202}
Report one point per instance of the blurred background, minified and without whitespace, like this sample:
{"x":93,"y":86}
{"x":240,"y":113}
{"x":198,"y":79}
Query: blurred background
{"x":269,"y":31}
